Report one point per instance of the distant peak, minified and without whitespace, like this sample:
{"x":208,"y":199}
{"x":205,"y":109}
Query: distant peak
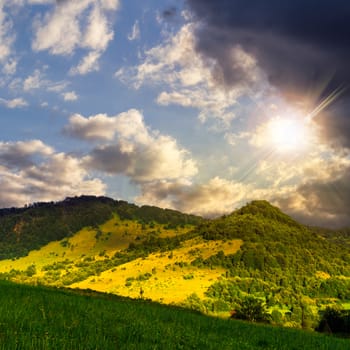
{"x":265,"y":209}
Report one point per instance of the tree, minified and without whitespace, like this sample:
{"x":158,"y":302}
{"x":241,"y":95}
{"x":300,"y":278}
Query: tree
{"x":251,"y":309}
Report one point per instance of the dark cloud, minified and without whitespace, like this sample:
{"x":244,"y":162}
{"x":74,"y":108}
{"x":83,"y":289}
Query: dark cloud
{"x":170,"y":13}
{"x":335,"y":123}
{"x":299,"y":45}
{"x":320,"y":202}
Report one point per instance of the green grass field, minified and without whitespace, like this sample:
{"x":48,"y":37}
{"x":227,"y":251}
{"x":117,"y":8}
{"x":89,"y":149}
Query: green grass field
{"x":40,"y":318}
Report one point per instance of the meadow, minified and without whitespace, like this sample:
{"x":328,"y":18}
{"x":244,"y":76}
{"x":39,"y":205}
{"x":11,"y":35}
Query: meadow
{"x":46,"y":318}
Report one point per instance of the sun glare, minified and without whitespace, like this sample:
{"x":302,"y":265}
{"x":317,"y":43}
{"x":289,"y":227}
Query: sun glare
{"x":287,"y":135}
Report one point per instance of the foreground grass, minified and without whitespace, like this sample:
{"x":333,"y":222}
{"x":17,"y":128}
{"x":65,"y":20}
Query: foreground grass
{"x":40,"y":318}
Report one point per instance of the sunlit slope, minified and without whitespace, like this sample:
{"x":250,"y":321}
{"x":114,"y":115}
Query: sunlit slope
{"x":32,"y":227}
{"x":167,"y":277}
{"x":105,"y":240}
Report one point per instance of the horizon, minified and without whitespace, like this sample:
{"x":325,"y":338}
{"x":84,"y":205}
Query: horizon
{"x":195,"y":106}
{"x":33,"y":205}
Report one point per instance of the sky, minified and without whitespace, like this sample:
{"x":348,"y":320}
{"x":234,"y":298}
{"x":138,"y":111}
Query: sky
{"x":195,"y":105}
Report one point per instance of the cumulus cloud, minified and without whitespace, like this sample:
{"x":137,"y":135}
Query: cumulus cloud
{"x":313,"y":188}
{"x":319,"y":202}
{"x":136,"y":151}
{"x":70,"y":96}
{"x":192,"y":79}
{"x":64,"y":29}
{"x":31,"y":171}
{"x":97,"y":127}
{"x":14,"y":103}
{"x":216,"y":197}
{"x":20,"y":154}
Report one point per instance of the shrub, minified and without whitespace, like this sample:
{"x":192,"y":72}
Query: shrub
{"x":251,"y":309}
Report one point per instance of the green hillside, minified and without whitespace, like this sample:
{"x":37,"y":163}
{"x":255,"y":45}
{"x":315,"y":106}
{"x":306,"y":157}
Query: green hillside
{"x":36,"y":318}
{"x":210,"y":266}
{"x":25,"y":229}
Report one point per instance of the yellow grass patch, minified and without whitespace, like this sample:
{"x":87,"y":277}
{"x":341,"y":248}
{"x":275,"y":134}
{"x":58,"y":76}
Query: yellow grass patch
{"x":167,"y":281}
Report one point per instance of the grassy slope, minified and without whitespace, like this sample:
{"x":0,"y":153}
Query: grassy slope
{"x":169,"y":282}
{"x":38,"y":318}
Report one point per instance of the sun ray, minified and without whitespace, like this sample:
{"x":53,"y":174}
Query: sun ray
{"x":326,"y":102}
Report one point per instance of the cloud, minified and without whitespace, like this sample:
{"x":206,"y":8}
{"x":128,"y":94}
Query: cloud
{"x":136,"y":151}
{"x":319,"y":202}
{"x":303,"y":50}
{"x":37,"y":80}
{"x":14,"y":103}
{"x":88,"y":64}
{"x":97,"y":127}
{"x":191,"y":79}
{"x":31,"y":171}
{"x":20,"y":154}
{"x":10,"y":67}
{"x":70,"y":96}
{"x":135,"y":32}
{"x":216,"y":197}
{"x":65,"y":29}
{"x":6,"y":35}
{"x":170,"y":12}
{"x":33,"y":81}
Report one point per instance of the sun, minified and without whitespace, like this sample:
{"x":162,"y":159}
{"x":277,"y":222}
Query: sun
{"x":288,"y":134}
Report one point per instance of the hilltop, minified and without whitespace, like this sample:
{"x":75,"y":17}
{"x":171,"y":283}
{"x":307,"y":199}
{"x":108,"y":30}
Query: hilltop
{"x":170,"y":257}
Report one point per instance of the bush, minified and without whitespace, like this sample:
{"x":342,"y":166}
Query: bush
{"x":251,"y":309}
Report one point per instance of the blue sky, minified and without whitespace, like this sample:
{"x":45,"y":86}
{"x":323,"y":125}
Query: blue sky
{"x":164,"y":103}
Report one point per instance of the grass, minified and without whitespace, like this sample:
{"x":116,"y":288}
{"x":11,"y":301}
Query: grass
{"x":115,"y":235}
{"x":167,"y":283}
{"x":40,"y":318}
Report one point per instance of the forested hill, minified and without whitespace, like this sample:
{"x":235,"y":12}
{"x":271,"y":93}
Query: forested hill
{"x":275,"y":243}
{"x":31,"y":227}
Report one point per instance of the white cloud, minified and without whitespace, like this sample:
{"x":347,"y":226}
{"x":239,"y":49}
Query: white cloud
{"x":31,"y":171}
{"x":14,"y":103}
{"x":6,"y":35}
{"x":66,"y":29}
{"x":135,"y":32}
{"x":192,"y":80}
{"x":70,"y":96}
{"x":97,"y":34}
{"x":55,"y":86}
{"x":97,"y":127}
{"x":88,"y":64}
{"x":10,"y":67}
{"x":33,"y":81}
{"x":136,"y":150}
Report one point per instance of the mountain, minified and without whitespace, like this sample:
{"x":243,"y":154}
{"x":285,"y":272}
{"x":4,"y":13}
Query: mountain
{"x":207,"y":265}
{"x":25,"y":229}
